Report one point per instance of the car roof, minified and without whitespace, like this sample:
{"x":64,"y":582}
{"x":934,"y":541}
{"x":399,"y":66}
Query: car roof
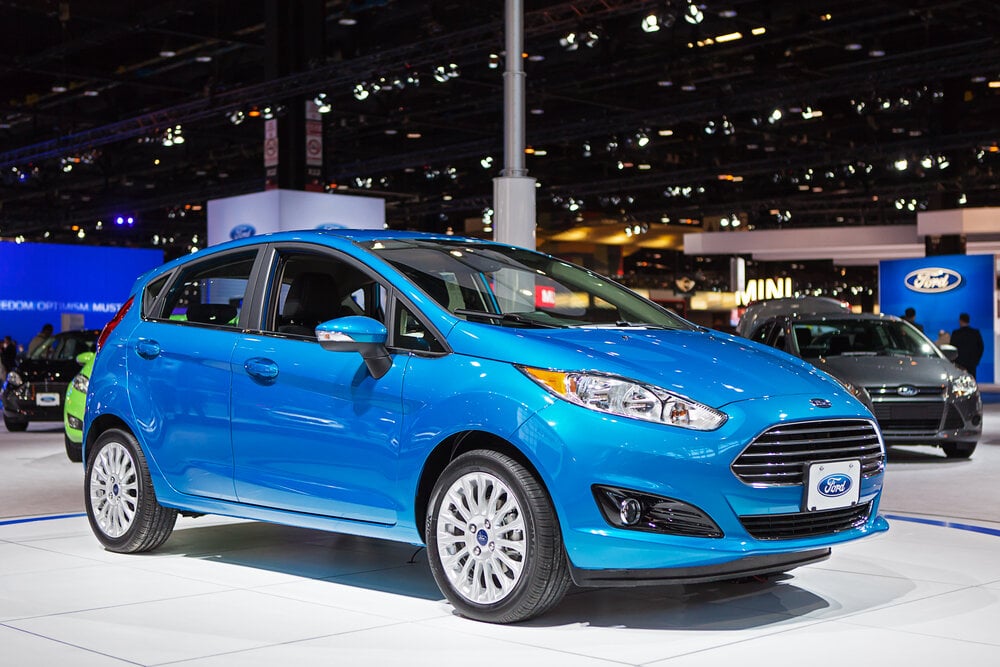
{"x":759,"y":311}
{"x":334,"y":238}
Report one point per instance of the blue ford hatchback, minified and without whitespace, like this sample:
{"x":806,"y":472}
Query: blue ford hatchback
{"x":530,"y":422}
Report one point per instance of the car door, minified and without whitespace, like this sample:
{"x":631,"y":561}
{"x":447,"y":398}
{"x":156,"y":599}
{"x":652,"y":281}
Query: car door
{"x":313,"y":431}
{"x":179,"y":372}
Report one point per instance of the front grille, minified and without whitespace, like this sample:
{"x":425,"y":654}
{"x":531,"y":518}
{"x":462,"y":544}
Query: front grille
{"x":805,"y":524}
{"x":909,"y":415}
{"x":930,"y":390}
{"x":778,"y":455}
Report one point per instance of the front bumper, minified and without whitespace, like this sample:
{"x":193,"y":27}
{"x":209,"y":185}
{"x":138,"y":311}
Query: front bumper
{"x":577,"y":448}
{"x":39,"y":402}
{"x":929,"y":420}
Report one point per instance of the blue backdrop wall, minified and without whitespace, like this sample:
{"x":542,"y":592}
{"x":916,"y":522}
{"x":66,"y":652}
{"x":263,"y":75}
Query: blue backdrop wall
{"x":939,"y":288}
{"x":67,"y":286}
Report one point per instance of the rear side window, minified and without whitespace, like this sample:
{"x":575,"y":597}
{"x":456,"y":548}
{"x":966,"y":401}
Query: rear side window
{"x":209,"y":292}
{"x":149,"y":294}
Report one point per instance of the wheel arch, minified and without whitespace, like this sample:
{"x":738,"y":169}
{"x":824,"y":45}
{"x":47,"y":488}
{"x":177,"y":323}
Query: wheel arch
{"x":447,"y":451}
{"x":101,"y":424}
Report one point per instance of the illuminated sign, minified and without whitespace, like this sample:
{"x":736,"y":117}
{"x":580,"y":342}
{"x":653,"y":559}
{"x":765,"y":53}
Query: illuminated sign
{"x":932,"y":280}
{"x":764,"y":288}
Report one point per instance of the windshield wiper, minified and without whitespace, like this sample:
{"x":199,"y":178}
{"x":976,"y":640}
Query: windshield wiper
{"x":505,"y":317}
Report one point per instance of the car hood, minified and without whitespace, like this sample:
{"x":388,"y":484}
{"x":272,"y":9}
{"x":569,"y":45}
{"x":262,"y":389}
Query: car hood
{"x":710,"y":367}
{"x":48,"y":370}
{"x":885,"y":370}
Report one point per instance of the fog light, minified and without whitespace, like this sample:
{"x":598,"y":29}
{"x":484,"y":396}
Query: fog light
{"x":630,"y":511}
{"x":74,"y":422}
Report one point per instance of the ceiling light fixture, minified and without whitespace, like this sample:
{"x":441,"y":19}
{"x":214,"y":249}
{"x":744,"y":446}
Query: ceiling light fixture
{"x":693,"y":14}
{"x":322,"y":102}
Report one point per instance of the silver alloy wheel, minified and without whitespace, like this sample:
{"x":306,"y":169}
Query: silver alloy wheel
{"x":114,"y":489}
{"x":480,"y":538}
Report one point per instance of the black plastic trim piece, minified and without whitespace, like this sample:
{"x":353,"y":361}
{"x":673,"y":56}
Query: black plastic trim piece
{"x":744,"y":567}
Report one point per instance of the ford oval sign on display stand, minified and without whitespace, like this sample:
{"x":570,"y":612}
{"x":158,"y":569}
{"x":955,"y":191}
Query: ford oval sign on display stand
{"x":932,"y":280}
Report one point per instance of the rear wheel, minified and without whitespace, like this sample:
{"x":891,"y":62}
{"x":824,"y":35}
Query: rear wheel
{"x":958,"y":450}
{"x":15,"y":425}
{"x":493,"y":540}
{"x":121,"y":503}
{"x":74,"y":450}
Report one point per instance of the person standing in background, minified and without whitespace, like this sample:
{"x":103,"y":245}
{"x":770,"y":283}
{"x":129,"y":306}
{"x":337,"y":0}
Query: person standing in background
{"x":8,"y":356}
{"x":40,"y":338}
{"x":910,"y":315}
{"x":969,"y":343}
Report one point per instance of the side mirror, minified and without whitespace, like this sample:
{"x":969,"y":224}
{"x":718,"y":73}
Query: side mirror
{"x":357,"y":334}
{"x":950,"y":351}
{"x":84,"y":358}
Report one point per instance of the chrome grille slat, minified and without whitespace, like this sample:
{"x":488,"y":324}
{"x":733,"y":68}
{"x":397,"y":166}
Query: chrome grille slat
{"x":768,"y":459}
{"x":787,"y":443}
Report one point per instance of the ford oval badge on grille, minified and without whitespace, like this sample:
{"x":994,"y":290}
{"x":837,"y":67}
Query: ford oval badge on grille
{"x":834,"y":485}
{"x":932,"y":280}
{"x":907,"y":390}
{"x":820,"y":402}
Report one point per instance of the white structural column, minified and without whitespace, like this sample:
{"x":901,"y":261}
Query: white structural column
{"x":513,"y":190}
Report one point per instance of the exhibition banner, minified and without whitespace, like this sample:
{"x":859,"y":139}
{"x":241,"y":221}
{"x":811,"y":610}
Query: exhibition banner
{"x":939,"y":288}
{"x":282,"y":210}
{"x":69,"y":287}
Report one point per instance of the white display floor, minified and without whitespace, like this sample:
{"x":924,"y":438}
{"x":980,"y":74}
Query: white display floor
{"x":225,"y":592}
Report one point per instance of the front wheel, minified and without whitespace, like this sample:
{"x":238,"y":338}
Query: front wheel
{"x":15,"y":425}
{"x":74,"y":450}
{"x":121,"y":502}
{"x":958,"y":450}
{"x":493,"y":540}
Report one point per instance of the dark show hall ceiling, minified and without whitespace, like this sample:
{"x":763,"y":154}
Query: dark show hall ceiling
{"x":761,"y":114}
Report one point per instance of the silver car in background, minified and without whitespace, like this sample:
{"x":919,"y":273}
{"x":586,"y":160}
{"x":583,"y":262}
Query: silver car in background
{"x":918,"y":396}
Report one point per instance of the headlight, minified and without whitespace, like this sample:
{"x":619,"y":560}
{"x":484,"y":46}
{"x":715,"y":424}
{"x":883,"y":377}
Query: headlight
{"x":81,"y":382}
{"x":620,"y":396}
{"x":963,"y":385}
{"x":14,"y":380}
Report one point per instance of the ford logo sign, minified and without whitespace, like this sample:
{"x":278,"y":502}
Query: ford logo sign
{"x":330,"y":225}
{"x":820,"y":402}
{"x":242,"y":232}
{"x":834,"y":485}
{"x":907,"y":390}
{"x":932,"y":280}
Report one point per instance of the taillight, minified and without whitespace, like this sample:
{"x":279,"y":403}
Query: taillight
{"x":110,"y":326}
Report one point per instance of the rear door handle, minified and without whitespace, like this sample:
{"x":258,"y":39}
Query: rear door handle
{"x":147,"y":349}
{"x":261,"y":369}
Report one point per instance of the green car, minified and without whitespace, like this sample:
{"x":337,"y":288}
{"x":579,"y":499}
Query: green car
{"x":76,"y":401}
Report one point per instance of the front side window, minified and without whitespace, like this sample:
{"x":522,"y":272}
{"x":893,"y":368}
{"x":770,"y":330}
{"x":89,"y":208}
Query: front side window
{"x":209,"y":292}
{"x":310,"y":288}
{"x":508,"y":286}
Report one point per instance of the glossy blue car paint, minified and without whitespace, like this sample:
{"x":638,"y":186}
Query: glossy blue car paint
{"x":241,"y":422}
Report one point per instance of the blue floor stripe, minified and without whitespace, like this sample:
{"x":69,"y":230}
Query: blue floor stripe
{"x":11,"y":522}
{"x":995,"y":532}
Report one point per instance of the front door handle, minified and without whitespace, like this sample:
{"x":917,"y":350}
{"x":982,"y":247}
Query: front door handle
{"x":147,"y":349}
{"x":261,"y":369}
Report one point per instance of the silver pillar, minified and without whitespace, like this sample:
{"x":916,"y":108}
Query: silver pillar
{"x":513,"y":190}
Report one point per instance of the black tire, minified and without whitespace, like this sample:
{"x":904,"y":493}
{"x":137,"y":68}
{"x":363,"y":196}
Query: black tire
{"x":74,"y":450}
{"x":958,"y":450}
{"x":15,"y":425}
{"x":538,"y":548}
{"x":121,"y":503}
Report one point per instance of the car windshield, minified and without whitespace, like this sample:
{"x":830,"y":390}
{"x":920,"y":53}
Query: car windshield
{"x":848,"y":337}
{"x":509,"y":286}
{"x":63,"y":347}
